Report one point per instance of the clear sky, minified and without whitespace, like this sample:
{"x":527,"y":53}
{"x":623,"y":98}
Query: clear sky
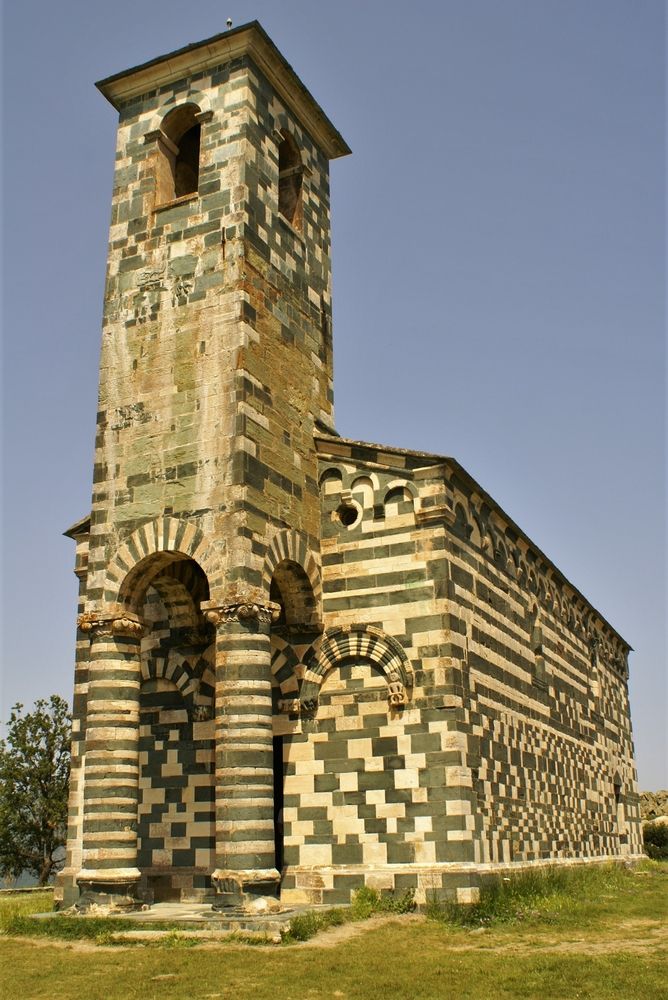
{"x":499,"y":272}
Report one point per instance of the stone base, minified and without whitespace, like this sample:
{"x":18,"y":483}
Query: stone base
{"x":102,"y":892}
{"x":246,"y":892}
{"x":335,"y":885}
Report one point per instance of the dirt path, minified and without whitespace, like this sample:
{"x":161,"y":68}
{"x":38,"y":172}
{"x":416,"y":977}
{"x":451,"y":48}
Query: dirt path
{"x":635,"y":937}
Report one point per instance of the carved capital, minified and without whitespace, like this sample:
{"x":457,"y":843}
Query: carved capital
{"x":244,"y":613}
{"x":99,"y":624}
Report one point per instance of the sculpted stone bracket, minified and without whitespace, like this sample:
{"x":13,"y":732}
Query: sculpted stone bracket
{"x":396,"y":694}
{"x":289,"y":706}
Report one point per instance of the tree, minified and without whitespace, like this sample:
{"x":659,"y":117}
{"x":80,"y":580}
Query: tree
{"x":34,"y":775}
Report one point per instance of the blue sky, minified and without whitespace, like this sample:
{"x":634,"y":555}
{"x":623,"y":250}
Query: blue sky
{"x":499,"y":289}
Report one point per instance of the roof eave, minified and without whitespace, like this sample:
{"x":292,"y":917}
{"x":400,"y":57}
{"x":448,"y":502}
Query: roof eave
{"x":248,"y":39}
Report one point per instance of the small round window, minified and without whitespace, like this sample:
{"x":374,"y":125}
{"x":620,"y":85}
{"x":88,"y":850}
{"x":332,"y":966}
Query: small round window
{"x":348,"y":514}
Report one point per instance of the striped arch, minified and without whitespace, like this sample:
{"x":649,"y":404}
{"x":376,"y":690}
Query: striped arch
{"x":363,"y":642}
{"x":173,"y":668}
{"x":290,"y":546}
{"x":170,"y":538}
{"x":193,"y":677}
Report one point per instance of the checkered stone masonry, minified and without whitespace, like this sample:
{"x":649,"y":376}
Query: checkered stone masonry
{"x":299,"y":658}
{"x":514,"y":734}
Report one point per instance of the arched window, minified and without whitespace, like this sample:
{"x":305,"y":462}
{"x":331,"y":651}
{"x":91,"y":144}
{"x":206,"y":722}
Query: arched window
{"x":178,"y":159}
{"x":290,"y":172}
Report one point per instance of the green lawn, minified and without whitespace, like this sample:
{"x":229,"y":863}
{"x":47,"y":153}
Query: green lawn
{"x":589,"y":946}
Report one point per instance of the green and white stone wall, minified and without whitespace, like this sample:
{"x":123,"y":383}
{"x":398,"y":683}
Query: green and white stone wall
{"x":302,"y":662}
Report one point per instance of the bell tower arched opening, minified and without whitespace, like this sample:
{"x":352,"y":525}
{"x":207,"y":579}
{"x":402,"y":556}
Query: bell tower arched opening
{"x":177,"y":171}
{"x":290,"y":175}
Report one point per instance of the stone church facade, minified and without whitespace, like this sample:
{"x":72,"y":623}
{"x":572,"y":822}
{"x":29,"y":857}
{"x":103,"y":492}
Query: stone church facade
{"x":304,"y":663}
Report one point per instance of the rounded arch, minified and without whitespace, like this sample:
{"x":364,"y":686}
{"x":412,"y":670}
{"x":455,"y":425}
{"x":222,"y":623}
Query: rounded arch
{"x":191,"y":675}
{"x":168,"y":668}
{"x":166,"y":600}
{"x":198,"y":98}
{"x":331,"y":480}
{"x":397,"y":485}
{"x":168,"y":539}
{"x":291,"y":547}
{"x":356,"y":642}
{"x":178,"y":133}
{"x":461,"y":527}
{"x":291,"y":588}
{"x":365,"y":488}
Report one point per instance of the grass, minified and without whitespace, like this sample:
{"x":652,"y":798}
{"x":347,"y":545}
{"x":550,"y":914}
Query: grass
{"x":366,"y":902}
{"x":16,"y":907}
{"x":596,"y":935}
{"x":548,"y":894}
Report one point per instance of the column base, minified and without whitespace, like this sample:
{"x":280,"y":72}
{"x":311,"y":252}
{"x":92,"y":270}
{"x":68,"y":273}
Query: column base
{"x":111,"y":891}
{"x":246,"y":892}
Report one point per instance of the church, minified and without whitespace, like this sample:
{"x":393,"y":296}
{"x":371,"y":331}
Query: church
{"x":304,"y":663}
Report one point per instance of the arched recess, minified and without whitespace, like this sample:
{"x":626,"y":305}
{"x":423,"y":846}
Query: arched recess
{"x":361,"y":642}
{"x":165,"y":586}
{"x":295,"y":631}
{"x":290,"y":548}
{"x":191,"y":675}
{"x":169,"y":539}
{"x":291,"y":588}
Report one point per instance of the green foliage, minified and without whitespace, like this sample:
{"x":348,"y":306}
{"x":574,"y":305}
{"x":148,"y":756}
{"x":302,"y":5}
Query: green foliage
{"x":304,"y":926}
{"x":34,"y":775}
{"x":367,"y":901}
{"x":655,"y":840}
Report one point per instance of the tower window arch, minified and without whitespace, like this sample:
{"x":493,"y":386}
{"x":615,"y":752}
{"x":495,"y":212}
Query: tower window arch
{"x":179,"y":154}
{"x":290,"y":174}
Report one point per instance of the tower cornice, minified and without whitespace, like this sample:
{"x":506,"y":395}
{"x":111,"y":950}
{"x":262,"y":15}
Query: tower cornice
{"x":249,"y":39}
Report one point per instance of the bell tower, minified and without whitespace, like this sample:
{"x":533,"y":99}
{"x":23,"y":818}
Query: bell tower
{"x":216,"y":368}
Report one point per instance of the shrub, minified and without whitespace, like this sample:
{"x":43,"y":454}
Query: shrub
{"x":655,"y":840}
{"x":303,"y":926}
{"x":367,"y":901}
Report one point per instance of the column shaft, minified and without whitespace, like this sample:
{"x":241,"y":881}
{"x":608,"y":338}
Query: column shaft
{"x":245,"y":856}
{"x":111,"y":765}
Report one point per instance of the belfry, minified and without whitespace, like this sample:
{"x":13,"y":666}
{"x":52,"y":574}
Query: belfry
{"x":304,"y":663}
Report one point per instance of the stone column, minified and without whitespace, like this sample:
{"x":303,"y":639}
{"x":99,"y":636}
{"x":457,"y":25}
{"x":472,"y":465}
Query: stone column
{"x":245,"y":877}
{"x":109,"y":876}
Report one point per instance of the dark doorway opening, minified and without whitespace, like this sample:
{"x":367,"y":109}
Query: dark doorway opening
{"x":278,"y":801}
